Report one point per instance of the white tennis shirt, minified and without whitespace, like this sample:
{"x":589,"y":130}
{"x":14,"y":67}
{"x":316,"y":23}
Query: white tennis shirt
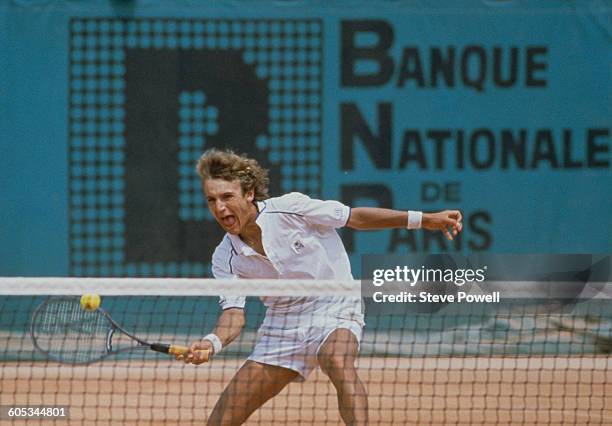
{"x":301,"y":242}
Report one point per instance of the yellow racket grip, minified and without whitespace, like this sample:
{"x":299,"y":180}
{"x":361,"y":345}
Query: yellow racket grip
{"x":181,"y":350}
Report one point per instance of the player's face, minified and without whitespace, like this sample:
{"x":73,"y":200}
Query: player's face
{"x":232,"y":208}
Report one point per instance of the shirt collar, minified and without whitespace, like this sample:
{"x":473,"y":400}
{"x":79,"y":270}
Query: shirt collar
{"x":261,"y":207}
{"x":237,"y":243}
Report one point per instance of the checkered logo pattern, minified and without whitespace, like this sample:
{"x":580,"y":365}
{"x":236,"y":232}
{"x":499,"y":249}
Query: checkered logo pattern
{"x":196,"y":122}
{"x":113,"y":172}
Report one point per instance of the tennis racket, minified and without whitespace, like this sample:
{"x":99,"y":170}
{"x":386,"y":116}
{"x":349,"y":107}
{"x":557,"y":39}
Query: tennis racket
{"x":65,"y":332}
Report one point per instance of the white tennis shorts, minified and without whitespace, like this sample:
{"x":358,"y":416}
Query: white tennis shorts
{"x":289,"y":345}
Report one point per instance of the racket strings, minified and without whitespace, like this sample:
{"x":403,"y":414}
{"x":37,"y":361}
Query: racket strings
{"x":66,"y":332}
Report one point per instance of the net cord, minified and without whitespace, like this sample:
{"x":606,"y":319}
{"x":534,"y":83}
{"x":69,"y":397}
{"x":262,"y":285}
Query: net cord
{"x":116,"y":286}
{"x":71,"y":286}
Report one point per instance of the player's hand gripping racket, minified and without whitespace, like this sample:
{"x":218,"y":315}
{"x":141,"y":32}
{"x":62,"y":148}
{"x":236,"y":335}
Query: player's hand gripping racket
{"x":65,"y":332}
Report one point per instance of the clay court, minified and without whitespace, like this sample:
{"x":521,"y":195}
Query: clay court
{"x":534,"y":390}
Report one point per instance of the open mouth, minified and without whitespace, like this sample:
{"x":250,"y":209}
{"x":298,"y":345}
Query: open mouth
{"x":228,"y":220}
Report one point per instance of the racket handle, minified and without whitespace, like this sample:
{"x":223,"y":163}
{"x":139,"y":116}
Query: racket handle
{"x":178,"y":350}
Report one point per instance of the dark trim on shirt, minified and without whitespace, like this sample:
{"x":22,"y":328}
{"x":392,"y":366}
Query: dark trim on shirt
{"x":262,"y":210}
{"x":282,"y":212}
{"x":233,"y":251}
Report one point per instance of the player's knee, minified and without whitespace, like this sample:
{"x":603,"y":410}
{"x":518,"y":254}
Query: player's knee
{"x":336,"y":365}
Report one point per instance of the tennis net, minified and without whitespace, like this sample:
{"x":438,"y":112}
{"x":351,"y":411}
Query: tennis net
{"x":520,"y":361}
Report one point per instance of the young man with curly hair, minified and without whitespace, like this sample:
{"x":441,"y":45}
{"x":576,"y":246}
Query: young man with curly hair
{"x":290,"y":237}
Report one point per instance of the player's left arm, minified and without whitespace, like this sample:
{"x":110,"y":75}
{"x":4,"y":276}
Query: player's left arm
{"x":369,"y":218}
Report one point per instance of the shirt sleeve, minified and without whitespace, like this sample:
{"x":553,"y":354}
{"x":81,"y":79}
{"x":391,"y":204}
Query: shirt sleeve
{"x":222,"y":269}
{"x":328,"y":213}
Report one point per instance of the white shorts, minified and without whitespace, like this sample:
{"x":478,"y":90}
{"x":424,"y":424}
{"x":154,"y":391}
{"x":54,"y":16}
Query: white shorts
{"x":296,"y":348}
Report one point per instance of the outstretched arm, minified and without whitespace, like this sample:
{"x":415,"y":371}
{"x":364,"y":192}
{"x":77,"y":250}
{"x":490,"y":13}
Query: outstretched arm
{"x":368,"y":218}
{"x":229,"y":326}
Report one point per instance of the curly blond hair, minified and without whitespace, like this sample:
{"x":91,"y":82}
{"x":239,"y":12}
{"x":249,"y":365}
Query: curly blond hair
{"x":227,"y":165}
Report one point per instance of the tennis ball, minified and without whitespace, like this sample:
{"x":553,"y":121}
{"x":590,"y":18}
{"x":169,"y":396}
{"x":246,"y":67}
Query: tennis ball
{"x":90,"y":302}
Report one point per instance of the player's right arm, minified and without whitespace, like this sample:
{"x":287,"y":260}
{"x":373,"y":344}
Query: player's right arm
{"x":229,"y":326}
{"x":449,"y":222}
{"x":231,"y":321}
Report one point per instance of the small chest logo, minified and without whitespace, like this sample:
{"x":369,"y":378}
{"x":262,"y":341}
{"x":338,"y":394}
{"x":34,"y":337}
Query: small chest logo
{"x":297,"y":246}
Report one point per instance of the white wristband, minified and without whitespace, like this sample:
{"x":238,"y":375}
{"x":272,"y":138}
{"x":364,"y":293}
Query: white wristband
{"x":414,"y":219}
{"x":216,"y":342}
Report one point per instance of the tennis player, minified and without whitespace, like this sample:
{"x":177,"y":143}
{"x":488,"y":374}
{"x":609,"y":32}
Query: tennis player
{"x":289,"y":237}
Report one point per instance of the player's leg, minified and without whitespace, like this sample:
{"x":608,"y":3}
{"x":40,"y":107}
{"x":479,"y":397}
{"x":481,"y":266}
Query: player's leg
{"x":336,"y":357}
{"x":249,"y":389}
